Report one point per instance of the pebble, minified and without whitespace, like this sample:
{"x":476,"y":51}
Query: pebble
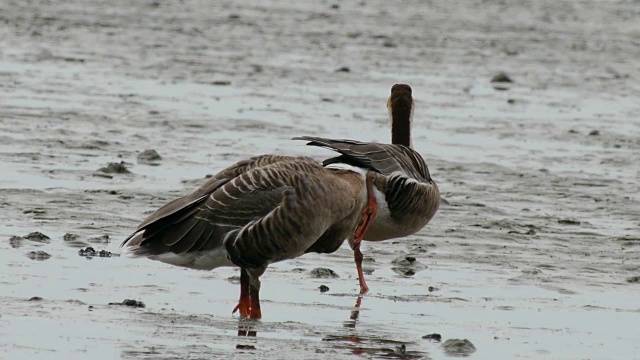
{"x":501,"y":77}
{"x":38,"y":255}
{"x":115,"y":168}
{"x":91,"y":252}
{"x":323,"y":288}
{"x":323,"y":273}
{"x":37,"y":236}
{"x":433,"y":337}
{"x":149,"y":156}
{"x":130,"y":302}
{"x":458,"y":347}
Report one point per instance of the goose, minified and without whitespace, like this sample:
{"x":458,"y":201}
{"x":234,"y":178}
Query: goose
{"x":406,"y":197}
{"x":261,"y":210}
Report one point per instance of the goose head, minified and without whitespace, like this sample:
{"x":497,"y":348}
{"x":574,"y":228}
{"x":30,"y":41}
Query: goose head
{"x":400,"y":106}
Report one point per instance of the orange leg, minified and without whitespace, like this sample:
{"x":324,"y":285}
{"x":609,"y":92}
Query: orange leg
{"x":254,"y":290}
{"x":369,"y":213}
{"x":244,"y":305}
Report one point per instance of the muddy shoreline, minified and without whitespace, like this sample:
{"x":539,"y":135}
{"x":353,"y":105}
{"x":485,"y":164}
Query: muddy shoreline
{"x":534,"y":253}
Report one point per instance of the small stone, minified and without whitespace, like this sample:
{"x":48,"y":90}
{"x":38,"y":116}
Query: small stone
{"x":344,"y":69}
{"x":432,"y":289}
{"x":633,"y":279}
{"x":221,"y":83}
{"x":323,"y":273}
{"x":89,"y":251}
{"x":433,"y":337}
{"x":148,"y":156}
{"x":400,"y":350}
{"x":36,"y":298}
{"x":594,"y":133}
{"x":501,"y":77}
{"x":323,"y":288}
{"x":404,"y":260}
{"x":133,"y":303}
{"x":38,"y":255}
{"x":130,"y":302}
{"x":389,"y":44}
{"x":104,"y":253}
{"x":35,"y":211}
{"x":511,"y":101}
{"x":568,"y":222}
{"x":37,"y":236}
{"x":70,"y":237}
{"x":115,"y":168}
{"x":458,"y":347}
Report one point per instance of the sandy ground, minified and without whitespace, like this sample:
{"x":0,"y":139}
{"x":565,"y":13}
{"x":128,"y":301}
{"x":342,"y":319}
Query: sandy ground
{"x":533,"y":255}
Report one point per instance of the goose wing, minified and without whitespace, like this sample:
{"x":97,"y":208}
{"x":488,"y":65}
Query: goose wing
{"x":264,"y":214}
{"x":190,"y":201}
{"x":385,"y":159}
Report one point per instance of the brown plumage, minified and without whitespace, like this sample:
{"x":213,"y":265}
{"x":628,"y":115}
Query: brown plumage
{"x":259,"y":211}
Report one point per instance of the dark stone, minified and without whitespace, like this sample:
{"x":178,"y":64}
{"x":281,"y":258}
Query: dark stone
{"x":38,"y":255}
{"x":37,"y":236}
{"x":323,"y":288}
{"x":36,"y":298}
{"x":149,"y":156}
{"x":404,"y":260}
{"x":568,"y":222}
{"x":115,"y":168}
{"x":633,"y":279}
{"x":458,"y":347}
{"x":501,"y":77}
{"x":400,"y":350}
{"x":130,"y":302}
{"x":433,"y":337}
{"x":70,"y":237}
{"x":594,"y":133}
{"x":345,"y":69}
{"x":323,"y":273}
{"x":90,"y":252}
{"x":221,"y":83}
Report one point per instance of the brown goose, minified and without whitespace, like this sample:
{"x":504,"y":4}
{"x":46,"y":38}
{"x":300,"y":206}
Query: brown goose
{"x":259,"y":211}
{"x":407,"y":197}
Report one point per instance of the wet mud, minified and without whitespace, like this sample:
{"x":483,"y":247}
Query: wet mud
{"x":534,"y":253}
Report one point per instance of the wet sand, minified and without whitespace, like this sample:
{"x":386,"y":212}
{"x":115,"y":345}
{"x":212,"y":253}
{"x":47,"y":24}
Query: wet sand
{"x":534,"y":253}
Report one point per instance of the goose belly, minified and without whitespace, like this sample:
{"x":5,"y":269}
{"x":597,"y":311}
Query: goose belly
{"x":200,"y":260}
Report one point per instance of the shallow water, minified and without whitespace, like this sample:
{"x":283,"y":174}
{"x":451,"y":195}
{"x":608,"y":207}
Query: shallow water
{"x":528,"y":257}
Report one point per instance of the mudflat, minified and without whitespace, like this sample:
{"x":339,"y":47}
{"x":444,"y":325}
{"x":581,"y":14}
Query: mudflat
{"x":533,"y":254}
